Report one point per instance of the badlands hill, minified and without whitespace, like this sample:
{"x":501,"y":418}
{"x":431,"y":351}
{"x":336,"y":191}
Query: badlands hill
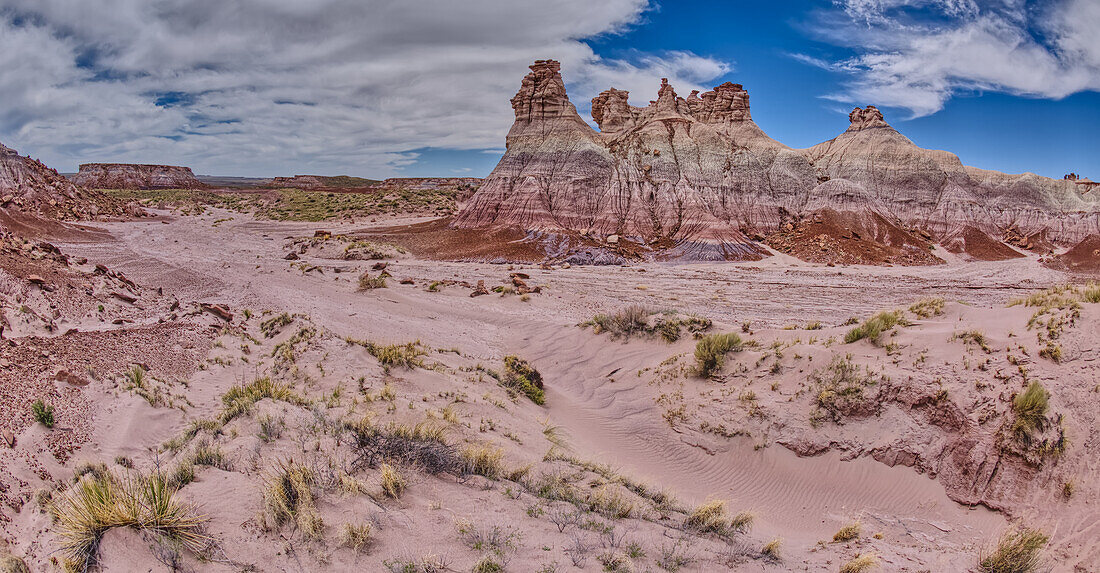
{"x":697,"y":173}
{"x":136,"y":176}
{"x":30,"y":188}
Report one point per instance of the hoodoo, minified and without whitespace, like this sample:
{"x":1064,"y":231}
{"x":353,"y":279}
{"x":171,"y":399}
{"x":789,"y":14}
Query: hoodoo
{"x":697,"y":175}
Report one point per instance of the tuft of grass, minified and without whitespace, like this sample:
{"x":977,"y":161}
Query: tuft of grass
{"x":488,"y":564}
{"x":393,"y":483}
{"x":848,"y":532}
{"x":771,"y":549}
{"x":708,"y":517}
{"x":273,"y":325}
{"x":742,"y":522}
{"x":711,"y":350}
{"x":484,"y":460}
{"x":239,"y":399}
{"x":928,"y":307}
{"x":609,"y":501}
{"x":99,"y":503}
{"x":288,"y":498}
{"x":356,"y":537}
{"x":975,"y":337}
{"x":1018,"y":551}
{"x":860,"y":563}
{"x":521,"y":377}
{"x":43,"y":413}
{"x":873,"y":328}
{"x":408,"y":355}
{"x":635,"y":320}
{"x":367,"y":282}
{"x":422,"y":446}
{"x":1030,"y":408}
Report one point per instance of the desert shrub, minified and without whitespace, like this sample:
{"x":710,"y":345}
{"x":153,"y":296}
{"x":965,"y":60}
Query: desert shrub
{"x":1052,"y":351}
{"x":483,"y":459}
{"x":271,"y":427}
{"x":848,"y":532}
{"x":367,"y":282}
{"x":521,"y":377}
{"x":43,"y":413}
{"x":975,"y":337}
{"x":422,"y":446}
{"x":711,"y":350}
{"x":609,"y":501}
{"x":840,"y":387}
{"x":273,"y":325}
{"x":742,"y":522}
{"x":1091,"y":293}
{"x":207,"y":454}
{"x":393,"y":483}
{"x":708,"y":517}
{"x":1018,"y":551}
{"x":771,"y":549}
{"x":97,"y":504}
{"x":873,"y":328}
{"x":288,"y":498}
{"x":488,"y":564}
{"x":860,"y":563}
{"x":928,"y":307}
{"x":239,"y":399}
{"x":634,"y":320}
{"x":356,"y":537}
{"x":1030,"y":408}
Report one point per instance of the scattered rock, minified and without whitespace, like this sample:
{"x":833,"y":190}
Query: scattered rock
{"x":480,"y":290}
{"x":291,"y":256}
{"x":124,"y":296}
{"x":9,"y":439}
{"x":218,"y":310}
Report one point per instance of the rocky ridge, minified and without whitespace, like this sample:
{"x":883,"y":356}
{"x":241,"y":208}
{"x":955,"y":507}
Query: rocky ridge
{"x":29,"y":187}
{"x":697,"y":173}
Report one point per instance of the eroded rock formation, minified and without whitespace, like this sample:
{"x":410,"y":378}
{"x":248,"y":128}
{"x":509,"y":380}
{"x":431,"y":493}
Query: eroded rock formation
{"x":699,"y":175}
{"x":29,"y":187}
{"x":136,"y":176}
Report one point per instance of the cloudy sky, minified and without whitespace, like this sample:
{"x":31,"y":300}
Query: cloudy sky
{"x":420,"y":87}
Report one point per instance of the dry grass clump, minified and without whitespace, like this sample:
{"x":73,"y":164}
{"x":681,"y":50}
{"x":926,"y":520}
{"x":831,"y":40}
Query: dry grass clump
{"x":239,"y":399}
{"x":484,"y":460}
{"x":712,"y":517}
{"x":928,"y":307}
{"x":393,"y":483}
{"x":367,"y":282}
{"x":421,"y":446}
{"x":840,"y":388}
{"x":860,"y":563}
{"x":288,"y":498}
{"x":1018,"y":551}
{"x":408,"y":355}
{"x":873,"y":328}
{"x":848,"y":532}
{"x":611,"y":502}
{"x":356,"y":537}
{"x":99,"y":503}
{"x":521,"y":377}
{"x":975,"y":337}
{"x":635,"y":320}
{"x":771,"y":549}
{"x":711,"y":350}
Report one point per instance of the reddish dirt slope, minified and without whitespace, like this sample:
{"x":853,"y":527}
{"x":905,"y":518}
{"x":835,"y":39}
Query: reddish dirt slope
{"x":864,"y":238}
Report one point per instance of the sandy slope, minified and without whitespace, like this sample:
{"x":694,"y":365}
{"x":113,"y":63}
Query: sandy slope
{"x":612,"y":400}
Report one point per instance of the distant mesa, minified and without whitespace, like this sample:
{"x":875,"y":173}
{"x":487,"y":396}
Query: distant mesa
{"x":136,"y":176}
{"x":322,"y":182}
{"x":698,"y":178}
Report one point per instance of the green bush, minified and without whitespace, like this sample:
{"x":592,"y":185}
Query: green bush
{"x":43,"y":413}
{"x":873,"y":327}
{"x":711,"y":350}
{"x":520,"y":376}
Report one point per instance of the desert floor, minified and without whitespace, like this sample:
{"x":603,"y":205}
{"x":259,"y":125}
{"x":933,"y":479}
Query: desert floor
{"x":618,"y":412}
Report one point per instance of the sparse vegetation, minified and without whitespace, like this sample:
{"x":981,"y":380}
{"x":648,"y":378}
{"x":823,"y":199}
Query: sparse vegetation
{"x":367,"y":282}
{"x":928,"y":307}
{"x":239,"y":399}
{"x":771,"y":549}
{"x":1030,"y":409}
{"x":484,"y":459}
{"x":356,"y":537}
{"x":712,"y":517}
{"x":1018,"y":551}
{"x":873,"y":328}
{"x":273,"y":325}
{"x":408,"y":355}
{"x":393,"y":483}
{"x":841,"y":388}
{"x":711,"y":351}
{"x":635,"y":320}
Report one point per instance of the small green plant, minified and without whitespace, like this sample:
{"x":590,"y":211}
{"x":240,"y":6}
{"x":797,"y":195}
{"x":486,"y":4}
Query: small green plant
{"x":288,"y":498}
{"x":873,"y":328}
{"x":711,"y":350}
{"x":521,"y":377}
{"x":1030,"y":408}
{"x":1018,"y":551}
{"x":928,"y":307}
{"x":43,"y":413}
{"x":367,"y":282}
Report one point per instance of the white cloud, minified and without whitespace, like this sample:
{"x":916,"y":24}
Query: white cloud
{"x":916,"y":54}
{"x":273,"y":87}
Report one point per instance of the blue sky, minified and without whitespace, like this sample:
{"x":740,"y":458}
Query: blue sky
{"x":418,"y":88}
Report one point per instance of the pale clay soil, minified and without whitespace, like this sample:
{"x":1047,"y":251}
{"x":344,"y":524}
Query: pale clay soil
{"x":631,"y":405}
